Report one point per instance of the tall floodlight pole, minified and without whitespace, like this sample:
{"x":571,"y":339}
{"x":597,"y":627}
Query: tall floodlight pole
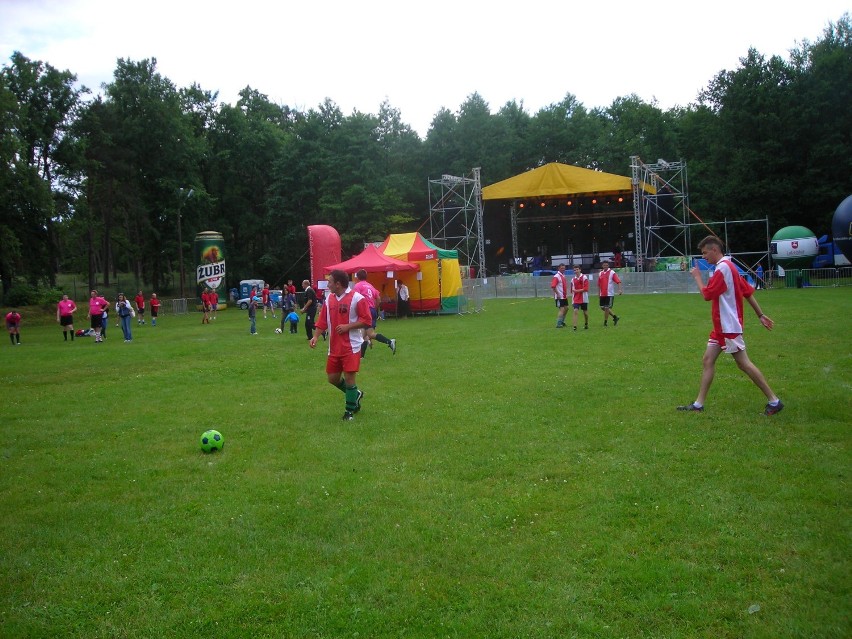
{"x":184,"y":198}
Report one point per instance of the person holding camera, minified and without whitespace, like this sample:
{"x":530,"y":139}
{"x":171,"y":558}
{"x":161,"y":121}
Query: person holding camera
{"x":125,"y":313}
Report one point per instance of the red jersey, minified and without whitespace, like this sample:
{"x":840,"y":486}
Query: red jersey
{"x":726,"y":289}
{"x":580,"y":289}
{"x":559,"y":284}
{"x":264,"y":295}
{"x":140,"y":302}
{"x":13,"y":318}
{"x":205,"y":299}
{"x":348,"y":308}
{"x":155,"y":303}
{"x":607,"y":281}
{"x":370,"y":292}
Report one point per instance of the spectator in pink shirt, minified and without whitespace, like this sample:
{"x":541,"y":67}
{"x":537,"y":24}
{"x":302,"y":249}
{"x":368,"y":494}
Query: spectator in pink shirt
{"x":65,"y":316}
{"x":97,"y":307}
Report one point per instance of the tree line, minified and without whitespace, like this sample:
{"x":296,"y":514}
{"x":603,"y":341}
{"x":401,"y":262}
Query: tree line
{"x":99,"y":184}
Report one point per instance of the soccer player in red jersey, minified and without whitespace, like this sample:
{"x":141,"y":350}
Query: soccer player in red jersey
{"x":726,"y":289}
{"x":608,"y":280}
{"x":140,"y":308}
{"x":155,"y":308}
{"x":344,"y":315}
{"x":264,"y":298}
{"x":580,"y":295}
{"x":205,"y":306}
{"x":559,"y":285}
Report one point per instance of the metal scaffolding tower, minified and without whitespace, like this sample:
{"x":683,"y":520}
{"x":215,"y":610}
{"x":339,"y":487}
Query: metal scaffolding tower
{"x":661,"y":213}
{"x":455,"y":218}
{"x":663,"y":225}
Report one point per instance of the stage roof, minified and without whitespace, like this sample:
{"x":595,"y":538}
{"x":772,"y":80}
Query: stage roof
{"x":556,"y":180}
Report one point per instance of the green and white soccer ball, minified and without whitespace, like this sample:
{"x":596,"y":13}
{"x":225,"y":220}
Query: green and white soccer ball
{"x":211,"y":441}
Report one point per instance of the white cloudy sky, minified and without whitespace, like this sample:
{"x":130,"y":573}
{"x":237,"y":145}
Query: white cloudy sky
{"x":420,"y":55}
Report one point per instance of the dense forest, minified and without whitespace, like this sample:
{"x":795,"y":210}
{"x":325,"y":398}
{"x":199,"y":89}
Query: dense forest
{"x":98,"y":184}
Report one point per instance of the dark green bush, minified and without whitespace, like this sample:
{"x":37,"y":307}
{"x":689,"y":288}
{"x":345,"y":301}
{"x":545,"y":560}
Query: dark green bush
{"x":22,"y":294}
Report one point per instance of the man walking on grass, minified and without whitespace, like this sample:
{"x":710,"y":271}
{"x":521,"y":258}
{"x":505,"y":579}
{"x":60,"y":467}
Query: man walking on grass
{"x":726,"y":289}
{"x":608,"y":280}
{"x":344,"y":315}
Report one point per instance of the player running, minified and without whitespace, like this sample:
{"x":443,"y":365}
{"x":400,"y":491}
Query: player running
{"x":371,"y":294}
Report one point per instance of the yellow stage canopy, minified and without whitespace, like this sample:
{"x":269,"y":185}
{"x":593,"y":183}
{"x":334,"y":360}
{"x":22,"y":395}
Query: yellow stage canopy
{"x":556,"y":180}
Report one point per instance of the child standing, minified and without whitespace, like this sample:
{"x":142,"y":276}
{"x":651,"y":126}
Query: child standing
{"x":155,"y":308}
{"x":293,"y":320}
{"x":140,"y":308}
{"x":252,"y":313}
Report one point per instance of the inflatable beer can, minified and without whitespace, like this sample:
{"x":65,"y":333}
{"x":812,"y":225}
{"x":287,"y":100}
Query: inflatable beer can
{"x":210,"y":260}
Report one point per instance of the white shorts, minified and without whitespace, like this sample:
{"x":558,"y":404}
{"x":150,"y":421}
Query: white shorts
{"x":731,"y":345}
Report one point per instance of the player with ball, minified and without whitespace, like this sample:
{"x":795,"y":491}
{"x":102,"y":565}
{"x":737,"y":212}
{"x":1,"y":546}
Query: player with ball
{"x":344,"y":315}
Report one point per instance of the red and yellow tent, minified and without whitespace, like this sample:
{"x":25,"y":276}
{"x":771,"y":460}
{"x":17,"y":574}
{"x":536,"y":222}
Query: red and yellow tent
{"x":381,"y":269}
{"x":437,"y":286}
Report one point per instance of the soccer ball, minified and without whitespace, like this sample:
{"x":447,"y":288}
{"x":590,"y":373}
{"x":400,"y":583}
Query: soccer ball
{"x":278,"y":331}
{"x":211,"y":441}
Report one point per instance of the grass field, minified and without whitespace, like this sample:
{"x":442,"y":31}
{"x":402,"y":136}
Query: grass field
{"x":504,"y":479}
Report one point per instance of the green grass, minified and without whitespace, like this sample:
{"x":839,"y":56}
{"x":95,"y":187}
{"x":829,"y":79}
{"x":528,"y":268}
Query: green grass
{"x":504,"y":479}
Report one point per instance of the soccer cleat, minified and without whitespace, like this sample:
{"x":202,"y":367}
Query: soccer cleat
{"x":358,"y":401}
{"x":615,"y":320}
{"x":691,"y":408}
{"x":348,"y":417}
{"x":392,"y":346}
{"x":586,"y":327}
{"x":575,"y":329}
{"x":774,"y":410}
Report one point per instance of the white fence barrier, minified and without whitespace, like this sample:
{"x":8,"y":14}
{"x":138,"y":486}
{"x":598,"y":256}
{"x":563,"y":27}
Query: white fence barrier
{"x":179,"y":306}
{"x":524,"y":285}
